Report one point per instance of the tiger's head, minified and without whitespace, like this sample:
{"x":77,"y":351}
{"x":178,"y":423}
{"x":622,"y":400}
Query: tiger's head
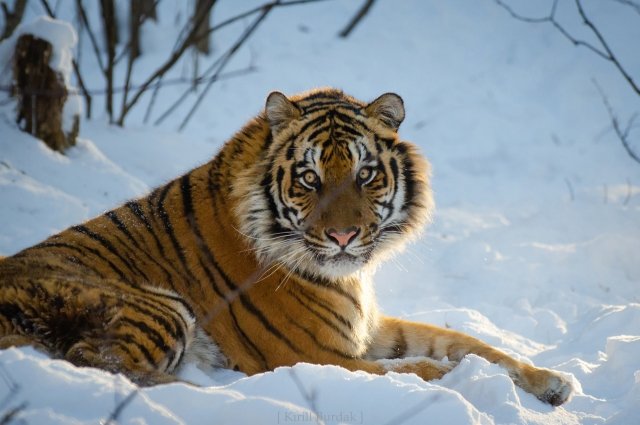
{"x":335,"y":188}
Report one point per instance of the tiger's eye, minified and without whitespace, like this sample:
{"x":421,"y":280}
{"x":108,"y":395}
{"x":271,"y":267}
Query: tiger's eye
{"x":310,"y":179}
{"x":365,"y":175}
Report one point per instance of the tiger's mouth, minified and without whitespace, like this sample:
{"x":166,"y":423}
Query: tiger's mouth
{"x":343,"y":258}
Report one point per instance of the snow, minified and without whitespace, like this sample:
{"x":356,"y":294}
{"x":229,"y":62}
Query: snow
{"x":534,"y":246}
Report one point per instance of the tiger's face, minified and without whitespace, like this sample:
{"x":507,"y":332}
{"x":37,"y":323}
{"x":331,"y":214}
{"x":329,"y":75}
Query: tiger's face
{"x":337,"y":190}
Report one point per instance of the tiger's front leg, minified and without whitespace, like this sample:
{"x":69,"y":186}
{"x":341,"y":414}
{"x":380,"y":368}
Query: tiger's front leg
{"x":396,"y":338}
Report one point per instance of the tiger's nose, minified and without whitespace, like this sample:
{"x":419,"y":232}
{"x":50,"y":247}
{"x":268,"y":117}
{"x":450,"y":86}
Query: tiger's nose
{"x":344,"y":236}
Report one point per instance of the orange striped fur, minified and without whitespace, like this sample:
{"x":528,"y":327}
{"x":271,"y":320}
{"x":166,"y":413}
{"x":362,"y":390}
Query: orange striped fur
{"x":257,"y":259}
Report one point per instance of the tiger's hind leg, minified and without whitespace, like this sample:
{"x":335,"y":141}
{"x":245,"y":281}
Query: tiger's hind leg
{"x":8,"y":341}
{"x":139,"y":332}
{"x":117,"y":357}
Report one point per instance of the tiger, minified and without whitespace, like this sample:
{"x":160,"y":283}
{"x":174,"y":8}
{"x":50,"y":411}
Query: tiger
{"x":260,"y":258}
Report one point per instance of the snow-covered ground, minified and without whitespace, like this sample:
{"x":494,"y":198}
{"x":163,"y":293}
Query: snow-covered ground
{"x":535,"y":246}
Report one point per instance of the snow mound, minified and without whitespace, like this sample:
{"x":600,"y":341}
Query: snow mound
{"x":63,"y":38}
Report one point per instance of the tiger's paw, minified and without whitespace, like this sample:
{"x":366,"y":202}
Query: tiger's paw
{"x":559,"y":390}
{"x":549,"y":386}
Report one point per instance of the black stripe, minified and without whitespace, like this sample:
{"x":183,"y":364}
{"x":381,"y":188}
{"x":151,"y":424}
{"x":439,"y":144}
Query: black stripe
{"x":109,"y":246}
{"x":335,"y":104}
{"x":350,"y":130}
{"x":320,"y":303}
{"x":322,"y":318}
{"x":98,"y":255}
{"x":314,"y":121}
{"x":154,"y":335}
{"x":82,"y":252}
{"x":131,"y":340}
{"x":113,"y":216}
{"x":168,"y":227}
{"x":400,"y":348}
{"x":314,"y":339}
{"x":251,"y":308}
{"x":137,"y":211}
{"x":409,"y":184}
{"x":311,"y":138}
{"x":244,"y":338}
{"x":160,"y":319}
{"x":330,"y":285}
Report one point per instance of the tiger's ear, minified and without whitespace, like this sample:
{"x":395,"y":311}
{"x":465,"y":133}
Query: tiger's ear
{"x":388,"y":108}
{"x":280,"y":110}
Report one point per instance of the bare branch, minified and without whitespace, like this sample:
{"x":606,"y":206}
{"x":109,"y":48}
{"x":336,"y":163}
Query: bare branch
{"x":110,"y":26}
{"x":92,"y":37}
{"x":623,"y":135}
{"x":570,"y":187}
{"x":115,"y":415}
{"x":163,"y":69}
{"x":225,"y":60}
{"x":630,"y":3}
{"x":629,"y":193}
{"x":9,"y":416}
{"x":253,"y":12}
{"x":12,"y":18}
{"x":200,"y":80}
{"x":120,"y":89}
{"x":357,"y":18}
{"x":148,"y":11}
{"x":309,"y":396}
{"x":202,"y":43}
{"x":604,"y":51}
{"x":414,"y":410}
{"x":610,"y":54}
{"x":139,"y":10}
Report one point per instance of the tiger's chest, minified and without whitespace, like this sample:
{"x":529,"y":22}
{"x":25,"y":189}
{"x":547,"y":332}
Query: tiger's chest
{"x":344,"y":316}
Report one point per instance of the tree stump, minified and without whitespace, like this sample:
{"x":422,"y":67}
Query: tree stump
{"x":41,"y":94}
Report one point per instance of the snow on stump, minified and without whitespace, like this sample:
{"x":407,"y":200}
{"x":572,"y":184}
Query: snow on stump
{"x":41,"y":94}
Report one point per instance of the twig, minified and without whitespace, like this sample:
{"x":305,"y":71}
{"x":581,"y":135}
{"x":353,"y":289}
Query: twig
{"x":610,"y":54}
{"x":225,"y":60}
{"x":634,"y":5}
{"x":92,"y":37}
{"x":113,"y":418}
{"x":110,"y":27}
{"x":357,"y":18}
{"x":629,"y":191}
{"x":163,"y":69}
{"x":309,"y":396}
{"x":11,"y":414}
{"x":182,"y":97}
{"x":604,"y":52}
{"x":570,"y":186}
{"x":414,"y":410}
{"x":623,"y":135}
{"x":137,"y":15}
{"x":12,"y":18}
{"x":144,"y":16}
{"x":200,"y":80}
{"x":169,"y":82}
{"x":253,"y":12}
